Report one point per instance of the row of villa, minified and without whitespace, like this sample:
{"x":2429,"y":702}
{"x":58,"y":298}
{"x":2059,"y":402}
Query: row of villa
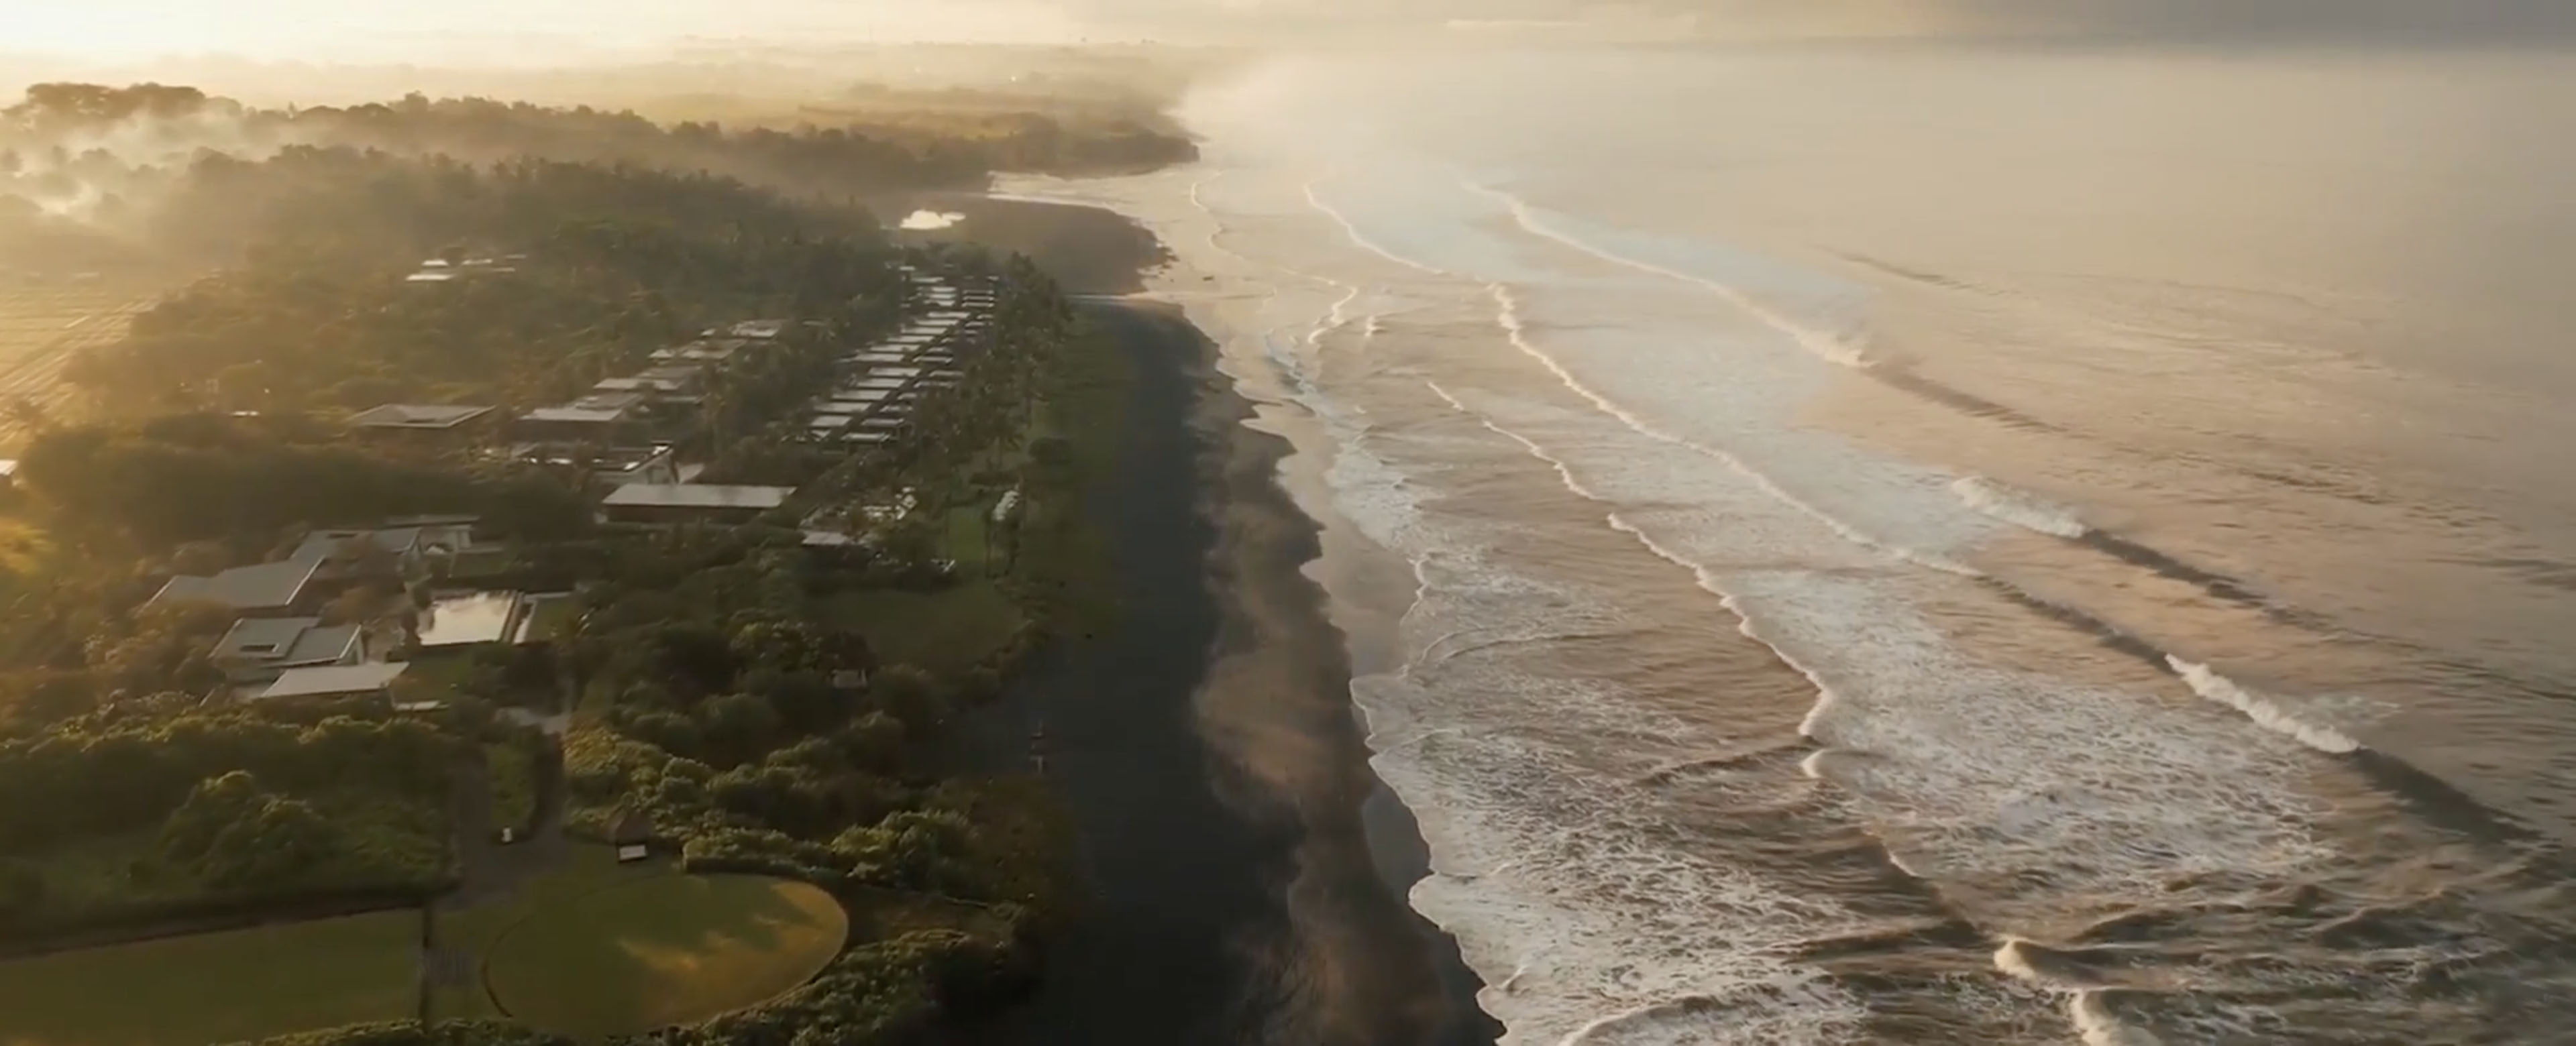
{"x":623,"y":434}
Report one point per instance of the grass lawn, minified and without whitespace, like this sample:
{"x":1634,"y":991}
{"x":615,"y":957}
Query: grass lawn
{"x":513,"y":771}
{"x":547,"y":615}
{"x":474,"y":931}
{"x":662,"y":950}
{"x":947,"y":630}
{"x":962,"y":539}
{"x":222,"y":987}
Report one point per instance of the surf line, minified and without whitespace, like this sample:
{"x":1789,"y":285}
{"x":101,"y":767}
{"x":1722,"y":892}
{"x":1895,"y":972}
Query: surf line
{"x":1821,"y":344}
{"x":2199,"y":678}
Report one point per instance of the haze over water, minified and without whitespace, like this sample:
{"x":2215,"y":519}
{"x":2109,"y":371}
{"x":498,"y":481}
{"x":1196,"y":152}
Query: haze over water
{"x":1938,"y":545}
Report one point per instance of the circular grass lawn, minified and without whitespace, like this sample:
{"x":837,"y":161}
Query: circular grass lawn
{"x":663,"y":951}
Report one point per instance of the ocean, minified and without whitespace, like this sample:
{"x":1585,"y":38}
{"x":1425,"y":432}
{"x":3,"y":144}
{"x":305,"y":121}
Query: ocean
{"x":1935,"y":545}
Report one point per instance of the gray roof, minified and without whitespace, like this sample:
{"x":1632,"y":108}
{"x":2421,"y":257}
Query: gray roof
{"x":268,"y":586}
{"x":286,"y":641}
{"x":416,"y":416}
{"x":334,"y":680}
{"x":321,"y":545}
{"x":698,"y":495}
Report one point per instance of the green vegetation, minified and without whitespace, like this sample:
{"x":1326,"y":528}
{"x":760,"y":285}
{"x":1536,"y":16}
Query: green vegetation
{"x":474,"y":931}
{"x":776,"y":708}
{"x":171,"y":809}
{"x":663,"y":951}
{"x":948,"y":630}
{"x":63,"y":200}
{"x":216,"y":987}
{"x":511,"y":767}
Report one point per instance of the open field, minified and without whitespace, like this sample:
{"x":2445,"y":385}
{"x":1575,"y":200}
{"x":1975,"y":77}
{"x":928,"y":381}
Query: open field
{"x":661,"y":951}
{"x":585,"y":869}
{"x":42,"y":326}
{"x":944,"y":631}
{"x":220,"y":987}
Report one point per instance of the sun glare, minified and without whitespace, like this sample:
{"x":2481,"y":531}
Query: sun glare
{"x":369,"y":29}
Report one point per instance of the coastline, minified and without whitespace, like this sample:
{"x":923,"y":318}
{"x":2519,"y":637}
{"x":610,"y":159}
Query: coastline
{"x":1248,"y":868}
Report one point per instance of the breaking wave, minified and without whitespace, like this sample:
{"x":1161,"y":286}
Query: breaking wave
{"x":2019,"y":508}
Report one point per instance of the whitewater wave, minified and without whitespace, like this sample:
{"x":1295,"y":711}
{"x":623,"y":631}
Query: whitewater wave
{"x":2019,"y":508}
{"x":1507,"y":316}
{"x":2261,"y":709}
{"x":1842,"y":349}
{"x":1360,"y":238}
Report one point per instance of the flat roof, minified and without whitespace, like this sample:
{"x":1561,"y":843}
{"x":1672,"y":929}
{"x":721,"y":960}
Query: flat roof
{"x":577,"y":415}
{"x":868,"y":436}
{"x":333,"y":680}
{"x":321,"y":545}
{"x":416,"y":416}
{"x":267,"y":586}
{"x":286,"y":640}
{"x":697,"y":495}
{"x":642,"y":382}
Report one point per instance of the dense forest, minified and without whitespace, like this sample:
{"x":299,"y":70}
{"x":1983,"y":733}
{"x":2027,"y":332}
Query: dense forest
{"x":79,"y":162}
{"x":613,"y":263}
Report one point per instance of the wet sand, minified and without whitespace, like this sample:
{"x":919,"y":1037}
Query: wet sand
{"x":1246,"y":868}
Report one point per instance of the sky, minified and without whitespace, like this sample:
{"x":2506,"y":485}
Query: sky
{"x":543,"y":30}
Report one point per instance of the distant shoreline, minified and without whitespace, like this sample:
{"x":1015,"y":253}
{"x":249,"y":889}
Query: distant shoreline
{"x":1234,"y":903}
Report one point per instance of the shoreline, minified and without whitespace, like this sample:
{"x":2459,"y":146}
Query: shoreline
{"x":1249,"y":869}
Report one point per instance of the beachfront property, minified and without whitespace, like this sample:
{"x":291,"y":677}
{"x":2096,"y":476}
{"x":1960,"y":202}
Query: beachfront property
{"x":703,"y":350}
{"x":681,"y":383}
{"x":826,"y":425}
{"x":392,"y":552}
{"x":604,"y":418}
{"x":670,"y":503}
{"x":259,"y":649}
{"x":370,"y":681}
{"x":423,"y":421}
{"x":755,"y":330}
{"x":605,"y":467}
{"x":263,"y":590}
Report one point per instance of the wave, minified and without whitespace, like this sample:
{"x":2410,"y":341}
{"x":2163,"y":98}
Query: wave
{"x":1507,"y":316}
{"x":1352,"y":230}
{"x":2092,"y":998}
{"x":2098,"y":1023}
{"x":1831,"y":347}
{"x":2019,"y":508}
{"x":2260,"y":709}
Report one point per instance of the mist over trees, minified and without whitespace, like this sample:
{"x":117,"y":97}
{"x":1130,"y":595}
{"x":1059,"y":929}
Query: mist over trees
{"x":94,"y":175}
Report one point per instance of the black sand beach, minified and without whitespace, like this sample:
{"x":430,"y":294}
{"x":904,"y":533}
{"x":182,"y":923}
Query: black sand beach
{"x":1208,"y":750}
